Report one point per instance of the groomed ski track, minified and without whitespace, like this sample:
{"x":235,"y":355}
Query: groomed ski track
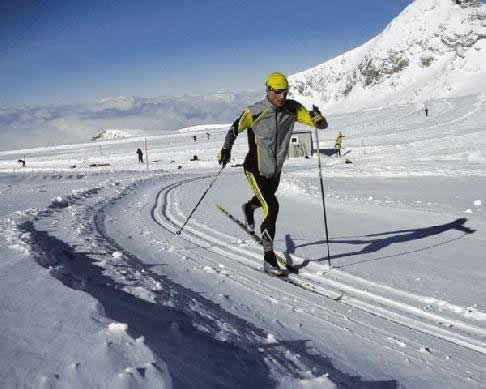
{"x":443,"y":321}
{"x":380,"y":300}
{"x":377,"y":314}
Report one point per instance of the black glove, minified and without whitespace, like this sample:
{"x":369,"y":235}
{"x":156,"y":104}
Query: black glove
{"x":224,"y":156}
{"x":315,"y":111}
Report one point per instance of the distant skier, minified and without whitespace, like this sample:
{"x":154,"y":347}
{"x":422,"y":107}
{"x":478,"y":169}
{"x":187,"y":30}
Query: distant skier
{"x":338,"y":145}
{"x":140,"y":156}
{"x":194,"y":138}
{"x":426,"y":112}
{"x":269,"y":124}
{"x":208,"y":134}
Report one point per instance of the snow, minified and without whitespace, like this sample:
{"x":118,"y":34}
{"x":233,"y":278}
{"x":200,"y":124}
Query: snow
{"x":203,"y":128}
{"x":433,"y":49}
{"x":113,"y":133}
{"x":98,"y":291}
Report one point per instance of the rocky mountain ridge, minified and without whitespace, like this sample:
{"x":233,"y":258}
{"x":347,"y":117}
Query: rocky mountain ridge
{"x":433,"y":49}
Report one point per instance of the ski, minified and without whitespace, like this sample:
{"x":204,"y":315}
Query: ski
{"x":240,"y":224}
{"x":280,"y":258}
{"x":335,"y":296}
{"x":332,"y":295}
{"x":285,"y":276}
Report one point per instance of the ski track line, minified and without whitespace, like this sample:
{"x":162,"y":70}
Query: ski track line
{"x":414,"y":298}
{"x":412,"y":350}
{"x":370,"y":284}
{"x":277,"y":290}
{"x":354,"y":296}
{"x":327,"y":316}
{"x":213,"y":244}
{"x":418,"y":299}
{"x":431,"y":329}
{"x":332,"y":317}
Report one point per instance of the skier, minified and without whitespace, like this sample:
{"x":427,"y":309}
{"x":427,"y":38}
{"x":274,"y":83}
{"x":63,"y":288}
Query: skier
{"x":339,"y":140}
{"x":140,"y":156}
{"x":269,"y":124}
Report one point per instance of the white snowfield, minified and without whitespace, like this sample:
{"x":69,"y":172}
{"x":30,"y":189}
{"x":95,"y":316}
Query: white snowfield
{"x":433,"y":49}
{"x":97,"y":290}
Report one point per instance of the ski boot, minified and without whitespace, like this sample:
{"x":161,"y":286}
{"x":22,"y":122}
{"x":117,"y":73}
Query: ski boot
{"x":248,"y":211}
{"x":270,"y":264}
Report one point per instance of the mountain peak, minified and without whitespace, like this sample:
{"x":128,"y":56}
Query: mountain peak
{"x":433,"y":49}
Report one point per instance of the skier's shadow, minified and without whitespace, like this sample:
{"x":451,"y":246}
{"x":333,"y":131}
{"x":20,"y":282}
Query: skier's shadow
{"x":290,"y":249}
{"x":327,"y":152}
{"x":375,"y":245}
{"x":324,"y":367}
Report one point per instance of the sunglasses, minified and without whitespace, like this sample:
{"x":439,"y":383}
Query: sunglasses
{"x":278,"y":91}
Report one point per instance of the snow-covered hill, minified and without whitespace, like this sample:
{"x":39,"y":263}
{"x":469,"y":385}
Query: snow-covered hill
{"x":433,"y":49}
{"x":205,"y":128}
{"x":111,"y":134}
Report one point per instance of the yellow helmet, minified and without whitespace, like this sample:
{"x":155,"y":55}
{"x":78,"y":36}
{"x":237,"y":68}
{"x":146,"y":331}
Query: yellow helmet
{"x":277,"y":80}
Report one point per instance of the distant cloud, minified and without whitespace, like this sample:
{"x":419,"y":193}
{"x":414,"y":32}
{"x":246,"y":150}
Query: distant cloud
{"x":122,"y":103}
{"x":41,"y":126}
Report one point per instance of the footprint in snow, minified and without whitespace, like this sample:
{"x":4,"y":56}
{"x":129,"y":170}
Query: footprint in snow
{"x":271,"y":299}
{"x":209,"y":269}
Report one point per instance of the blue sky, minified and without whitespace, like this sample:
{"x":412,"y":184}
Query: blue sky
{"x":68,"y":52}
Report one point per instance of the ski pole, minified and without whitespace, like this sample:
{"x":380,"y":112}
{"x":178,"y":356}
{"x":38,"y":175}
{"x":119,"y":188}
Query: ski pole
{"x":323,"y":197}
{"x":199,"y":202}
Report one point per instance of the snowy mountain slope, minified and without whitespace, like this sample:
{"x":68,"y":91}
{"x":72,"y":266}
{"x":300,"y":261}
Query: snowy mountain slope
{"x":433,"y":49}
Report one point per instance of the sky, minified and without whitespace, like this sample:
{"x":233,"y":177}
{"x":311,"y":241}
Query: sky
{"x":67,"y":52}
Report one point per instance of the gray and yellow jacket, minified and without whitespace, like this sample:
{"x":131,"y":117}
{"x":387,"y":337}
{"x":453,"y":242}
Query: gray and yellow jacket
{"x":269,"y":131}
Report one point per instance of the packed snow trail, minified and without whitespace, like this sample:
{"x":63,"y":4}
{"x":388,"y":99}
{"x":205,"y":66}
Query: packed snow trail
{"x":443,"y":320}
{"x":359,"y":293}
{"x":126,"y":228}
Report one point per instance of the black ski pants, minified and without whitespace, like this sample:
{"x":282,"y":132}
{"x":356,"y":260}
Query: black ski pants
{"x":264,"y":189}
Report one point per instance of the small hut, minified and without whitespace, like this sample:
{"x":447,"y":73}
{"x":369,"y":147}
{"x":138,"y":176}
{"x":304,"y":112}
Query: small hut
{"x":300,"y":144}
